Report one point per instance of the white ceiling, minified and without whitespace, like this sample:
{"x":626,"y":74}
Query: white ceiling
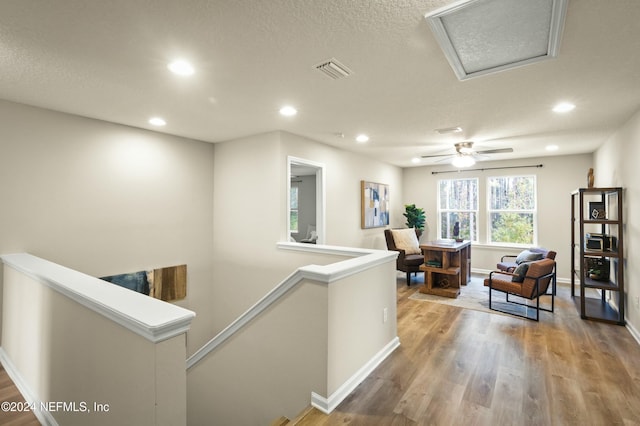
{"x":107,"y":60}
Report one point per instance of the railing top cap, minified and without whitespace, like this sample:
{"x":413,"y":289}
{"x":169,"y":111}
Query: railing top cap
{"x":151,"y":318}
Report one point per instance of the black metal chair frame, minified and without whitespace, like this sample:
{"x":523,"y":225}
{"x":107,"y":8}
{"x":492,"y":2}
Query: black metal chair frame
{"x":538,"y":308}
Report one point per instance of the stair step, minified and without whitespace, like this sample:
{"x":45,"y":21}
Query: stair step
{"x":280,"y":421}
{"x":309,"y":416}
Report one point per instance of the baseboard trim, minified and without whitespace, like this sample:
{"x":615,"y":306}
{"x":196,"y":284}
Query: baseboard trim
{"x":327,"y":405}
{"x":634,"y":332}
{"x":30,"y":397}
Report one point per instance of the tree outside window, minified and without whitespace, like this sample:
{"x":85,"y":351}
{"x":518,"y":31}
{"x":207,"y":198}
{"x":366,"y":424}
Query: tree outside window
{"x":293,"y":209}
{"x":458,"y":202}
{"x":512,"y":210}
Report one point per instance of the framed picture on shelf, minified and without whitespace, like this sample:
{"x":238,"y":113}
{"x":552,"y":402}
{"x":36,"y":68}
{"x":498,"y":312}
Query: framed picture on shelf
{"x":375,"y":204}
{"x":597,"y":211}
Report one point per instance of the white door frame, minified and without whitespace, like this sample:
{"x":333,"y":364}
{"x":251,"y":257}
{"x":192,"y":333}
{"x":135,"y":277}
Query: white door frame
{"x":320,"y":195}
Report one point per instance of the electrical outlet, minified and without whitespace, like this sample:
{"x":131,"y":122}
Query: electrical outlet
{"x":385,"y":315}
{"x":637,"y":302}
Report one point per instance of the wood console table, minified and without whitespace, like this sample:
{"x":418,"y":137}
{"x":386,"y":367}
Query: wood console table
{"x":446,"y":267}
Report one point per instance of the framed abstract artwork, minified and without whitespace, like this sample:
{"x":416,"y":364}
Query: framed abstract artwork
{"x":167,"y":284}
{"x":375,"y":204}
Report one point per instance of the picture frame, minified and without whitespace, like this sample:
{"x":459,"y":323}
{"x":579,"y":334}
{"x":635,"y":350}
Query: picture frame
{"x":597,"y":211}
{"x":168,"y":283}
{"x":375,"y":204}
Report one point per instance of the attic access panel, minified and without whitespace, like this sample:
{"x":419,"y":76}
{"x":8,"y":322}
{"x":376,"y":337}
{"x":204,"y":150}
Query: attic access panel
{"x":479,"y":37}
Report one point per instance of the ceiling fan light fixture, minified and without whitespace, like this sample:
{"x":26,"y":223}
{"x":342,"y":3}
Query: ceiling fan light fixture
{"x":462,"y":161}
{"x":466,"y":150}
{"x":464,"y":147}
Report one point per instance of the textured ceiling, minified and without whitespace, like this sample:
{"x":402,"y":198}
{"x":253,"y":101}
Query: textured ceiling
{"x":107,"y":60}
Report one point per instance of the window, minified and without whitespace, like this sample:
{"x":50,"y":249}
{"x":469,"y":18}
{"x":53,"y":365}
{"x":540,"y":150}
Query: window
{"x":512,"y":210}
{"x":293,"y":209}
{"x":458,"y":202}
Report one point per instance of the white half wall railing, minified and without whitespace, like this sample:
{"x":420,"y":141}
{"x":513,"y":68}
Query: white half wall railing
{"x":361,"y":261}
{"x":84,"y":351}
{"x":314,"y":337}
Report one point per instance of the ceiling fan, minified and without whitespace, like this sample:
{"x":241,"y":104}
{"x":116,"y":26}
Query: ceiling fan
{"x":465,"y":155}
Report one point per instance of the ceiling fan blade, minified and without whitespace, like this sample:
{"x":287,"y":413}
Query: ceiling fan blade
{"x":495,"y":151}
{"x":468,"y":145}
{"x":437,"y":155}
{"x":442,"y":160}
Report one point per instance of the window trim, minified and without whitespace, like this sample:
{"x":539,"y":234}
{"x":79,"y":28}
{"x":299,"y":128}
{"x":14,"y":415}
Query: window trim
{"x":296,"y":209}
{"x":489,"y":211}
{"x":440,"y":210}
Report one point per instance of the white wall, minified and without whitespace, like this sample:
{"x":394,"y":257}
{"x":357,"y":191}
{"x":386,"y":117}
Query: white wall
{"x":104,"y":199}
{"x":616,"y":165}
{"x":555,"y":180}
{"x":321,"y":338}
{"x":356,"y":308}
{"x":344,"y":171}
{"x":250,"y":212}
{"x":260,"y":375}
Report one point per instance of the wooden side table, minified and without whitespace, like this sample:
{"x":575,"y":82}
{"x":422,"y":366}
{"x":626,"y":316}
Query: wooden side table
{"x":446,"y":268}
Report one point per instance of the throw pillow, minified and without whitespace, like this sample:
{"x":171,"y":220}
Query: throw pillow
{"x":528,"y":256}
{"x":407,"y":240}
{"x":520,"y":272}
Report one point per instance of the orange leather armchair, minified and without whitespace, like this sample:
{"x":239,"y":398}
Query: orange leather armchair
{"x":540,"y":275}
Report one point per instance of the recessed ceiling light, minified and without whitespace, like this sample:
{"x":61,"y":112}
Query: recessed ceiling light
{"x":181,"y":67}
{"x":362,"y":138}
{"x":415,"y":160}
{"x":551,"y":147}
{"x":157,"y":121}
{"x":288,"y":111}
{"x":563,"y":107}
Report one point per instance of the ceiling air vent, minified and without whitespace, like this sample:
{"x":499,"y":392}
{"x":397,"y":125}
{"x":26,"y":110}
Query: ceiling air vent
{"x":333,"y":69}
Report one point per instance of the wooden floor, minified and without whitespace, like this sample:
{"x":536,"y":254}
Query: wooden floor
{"x":463,"y":367}
{"x":8,"y":394}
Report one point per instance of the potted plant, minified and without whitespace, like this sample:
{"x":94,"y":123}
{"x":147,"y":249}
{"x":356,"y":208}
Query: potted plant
{"x":598,"y":269}
{"x":415,"y":217}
